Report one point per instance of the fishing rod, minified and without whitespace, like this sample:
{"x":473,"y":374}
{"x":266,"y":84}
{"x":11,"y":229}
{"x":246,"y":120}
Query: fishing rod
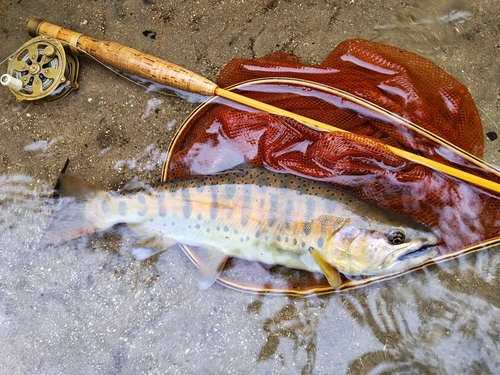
{"x":155,"y":69}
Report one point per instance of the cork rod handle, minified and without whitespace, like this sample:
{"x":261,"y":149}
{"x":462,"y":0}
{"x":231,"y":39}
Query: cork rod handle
{"x":127,"y":59}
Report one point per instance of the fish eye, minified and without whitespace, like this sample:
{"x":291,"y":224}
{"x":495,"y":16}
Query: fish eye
{"x":396,"y":237}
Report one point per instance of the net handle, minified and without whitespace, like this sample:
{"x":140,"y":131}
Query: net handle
{"x":152,"y":68}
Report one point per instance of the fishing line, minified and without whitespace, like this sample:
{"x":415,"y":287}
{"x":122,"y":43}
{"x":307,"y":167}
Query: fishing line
{"x":489,"y":118}
{"x":18,"y":113}
{"x":134,"y":79}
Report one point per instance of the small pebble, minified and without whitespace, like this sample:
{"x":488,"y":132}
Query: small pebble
{"x":492,"y":136}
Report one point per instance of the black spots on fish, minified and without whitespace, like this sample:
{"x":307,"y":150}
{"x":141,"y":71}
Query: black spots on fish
{"x":339,"y":197}
{"x":122,"y":208}
{"x":273,"y":210}
{"x":187,"y":206}
{"x":199,"y":216}
{"x":303,"y":244}
{"x":226,"y":228}
{"x":278,"y":238}
{"x":312,"y":190}
{"x":247,"y":198}
{"x":262,"y":179}
{"x":157,"y":186}
{"x":197,"y":226}
{"x":343,"y":197}
{"x":235,"y":231}
{"x":280,"y":181}
{"x":294,"y":242}
{"x":286,"y":239}
{"x":257,"y":234}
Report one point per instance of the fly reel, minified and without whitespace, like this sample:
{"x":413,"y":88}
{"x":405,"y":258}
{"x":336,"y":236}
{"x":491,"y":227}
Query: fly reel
{"x":41,"y":69}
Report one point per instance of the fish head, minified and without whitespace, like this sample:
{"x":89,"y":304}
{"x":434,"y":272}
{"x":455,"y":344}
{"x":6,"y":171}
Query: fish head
{"x":381,"y":250}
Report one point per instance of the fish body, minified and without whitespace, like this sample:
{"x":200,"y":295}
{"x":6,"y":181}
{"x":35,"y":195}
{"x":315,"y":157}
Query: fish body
{"x":257,"y":215}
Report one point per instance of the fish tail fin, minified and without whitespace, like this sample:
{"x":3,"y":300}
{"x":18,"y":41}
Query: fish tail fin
{"x":71,"y":221}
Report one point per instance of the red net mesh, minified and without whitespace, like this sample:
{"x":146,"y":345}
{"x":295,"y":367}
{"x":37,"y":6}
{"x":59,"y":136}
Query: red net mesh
{"x":220,"y":135}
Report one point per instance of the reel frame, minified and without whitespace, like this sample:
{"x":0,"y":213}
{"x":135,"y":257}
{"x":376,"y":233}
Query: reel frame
{"x":41,"y":69}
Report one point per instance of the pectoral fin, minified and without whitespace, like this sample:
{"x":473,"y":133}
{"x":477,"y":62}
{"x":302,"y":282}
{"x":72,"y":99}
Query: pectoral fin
{"x":331,"y":273}
{"x":210,"y":263}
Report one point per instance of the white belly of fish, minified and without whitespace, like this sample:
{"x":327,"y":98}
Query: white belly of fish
{"x":232,"y":242}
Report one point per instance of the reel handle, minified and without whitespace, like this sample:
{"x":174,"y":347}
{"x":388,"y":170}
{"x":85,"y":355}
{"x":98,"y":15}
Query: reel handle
{"x":126,"y":59}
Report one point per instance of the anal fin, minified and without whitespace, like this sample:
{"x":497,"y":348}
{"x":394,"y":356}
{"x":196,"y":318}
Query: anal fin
{"x":210,"y":262}
{"x":331,"y":273}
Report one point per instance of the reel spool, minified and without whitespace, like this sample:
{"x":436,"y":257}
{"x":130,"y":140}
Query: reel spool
{"x":41,"y":69}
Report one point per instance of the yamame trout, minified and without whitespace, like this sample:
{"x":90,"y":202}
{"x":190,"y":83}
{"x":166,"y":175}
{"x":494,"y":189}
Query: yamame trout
{"x":254,"y":214}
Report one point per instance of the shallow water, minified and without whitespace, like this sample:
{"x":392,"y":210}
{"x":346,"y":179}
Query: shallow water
{"x":88,"y":307}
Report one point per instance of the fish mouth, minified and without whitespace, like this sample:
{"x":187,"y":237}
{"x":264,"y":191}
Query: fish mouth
{"x":418,"y":253}
{"x":408,"y":259}
{"x":408,"y":255}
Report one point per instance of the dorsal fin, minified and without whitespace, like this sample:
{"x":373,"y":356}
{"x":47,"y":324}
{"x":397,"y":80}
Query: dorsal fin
{"x":71,"y":186}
